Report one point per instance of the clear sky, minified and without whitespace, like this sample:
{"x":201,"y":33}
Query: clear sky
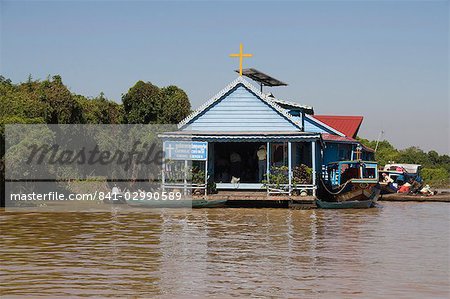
{"x":387,"y":61}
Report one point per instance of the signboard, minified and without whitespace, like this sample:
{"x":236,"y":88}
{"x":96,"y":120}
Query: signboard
{"x":186,"y":150}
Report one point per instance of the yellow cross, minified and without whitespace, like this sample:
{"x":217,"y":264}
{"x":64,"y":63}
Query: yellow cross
{"x":241,"y":55}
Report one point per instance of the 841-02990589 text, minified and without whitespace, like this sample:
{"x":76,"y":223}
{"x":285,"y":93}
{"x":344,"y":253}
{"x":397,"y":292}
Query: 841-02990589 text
{"x":97,"y":195}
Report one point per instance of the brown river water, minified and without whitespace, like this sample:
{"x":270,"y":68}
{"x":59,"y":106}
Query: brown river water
{"x":399,"y":250}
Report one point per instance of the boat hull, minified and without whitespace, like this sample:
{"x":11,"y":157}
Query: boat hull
{"x":351,"y":204}
{"x":355,"y":195}
{"x":353,"y":190}
{"x":203,"y":203}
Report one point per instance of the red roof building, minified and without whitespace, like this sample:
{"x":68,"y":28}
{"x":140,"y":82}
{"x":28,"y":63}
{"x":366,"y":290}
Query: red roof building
{"x":348,"y":125}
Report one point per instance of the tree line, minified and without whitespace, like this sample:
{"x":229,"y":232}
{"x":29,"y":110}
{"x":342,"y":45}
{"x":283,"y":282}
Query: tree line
{"x":50,"y":101}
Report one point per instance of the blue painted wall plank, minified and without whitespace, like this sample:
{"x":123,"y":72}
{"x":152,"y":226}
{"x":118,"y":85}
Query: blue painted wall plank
{"x":311,"y":126}
{"x":241,"y":110}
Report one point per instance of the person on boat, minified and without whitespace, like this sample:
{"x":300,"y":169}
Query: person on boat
{"x":427,"y":190}
{"x":400,"y":179}
{"x":262,"y":162}
{"x":415,"y":186}
{"x":389,"y":182}
{"x":404,"y":188}
{"x":387,"y":179}
{"x":115,"y":189}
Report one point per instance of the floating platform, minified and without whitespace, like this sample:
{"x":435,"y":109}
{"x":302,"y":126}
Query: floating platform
{"x":257,"y":195}
{"x":260,"y":199}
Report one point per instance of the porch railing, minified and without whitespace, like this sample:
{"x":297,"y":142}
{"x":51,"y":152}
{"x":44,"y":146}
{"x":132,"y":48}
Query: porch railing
{"x":286,"y":189}
{"x":185,"y":187}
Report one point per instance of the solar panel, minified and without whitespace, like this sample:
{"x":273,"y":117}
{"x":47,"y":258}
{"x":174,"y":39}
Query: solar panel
{"x":262,"y":78}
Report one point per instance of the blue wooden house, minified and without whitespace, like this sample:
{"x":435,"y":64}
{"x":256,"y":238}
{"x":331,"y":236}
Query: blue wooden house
{"x":241,"y":120}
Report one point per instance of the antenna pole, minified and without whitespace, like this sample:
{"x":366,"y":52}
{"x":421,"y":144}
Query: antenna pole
{"x":378,"y":140}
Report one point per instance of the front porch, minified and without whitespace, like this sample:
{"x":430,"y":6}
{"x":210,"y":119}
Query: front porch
{"x":234,"y":168}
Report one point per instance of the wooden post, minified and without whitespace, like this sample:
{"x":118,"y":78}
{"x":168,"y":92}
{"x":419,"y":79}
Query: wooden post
{"x":268,"y":161}
{"x":290,"y":166}
{"x":185,"y":176}
{"x":206,"y":169}
{"x":303,"y":120}
{"x":313,"y":159}
{"x":163,"y":170}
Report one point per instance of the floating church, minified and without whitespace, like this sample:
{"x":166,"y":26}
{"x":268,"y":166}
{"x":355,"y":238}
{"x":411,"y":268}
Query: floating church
{"x":244,"y":139}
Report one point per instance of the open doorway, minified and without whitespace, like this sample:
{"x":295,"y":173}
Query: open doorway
{"x":238,"y":159}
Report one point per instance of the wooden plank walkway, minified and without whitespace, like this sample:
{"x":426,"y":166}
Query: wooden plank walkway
{"x":258,"y":195}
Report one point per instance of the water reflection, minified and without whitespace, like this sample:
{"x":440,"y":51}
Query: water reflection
{"x":399,"y":250}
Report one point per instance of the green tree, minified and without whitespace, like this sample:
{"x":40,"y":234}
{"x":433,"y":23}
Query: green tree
{"x":142,"y":103}
{"x":436,"y":176}
{"x":175,"y":105}
{"x":100,"y":110}
{"x":444,"y":162}
{"x":433,"y":157}
{"x":61,"y":106}
{"x":413,"y":155}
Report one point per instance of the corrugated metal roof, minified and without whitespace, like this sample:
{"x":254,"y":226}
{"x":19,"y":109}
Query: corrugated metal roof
{"x":349,"y":125}
{"x":241,"y":133}
{"x":410,"y":168}
{"x":335,"y":138}
{"x":367,"y":149}
{"x":331,"y":137}
{"x":288,"y":104}
{"x":207,"y":135}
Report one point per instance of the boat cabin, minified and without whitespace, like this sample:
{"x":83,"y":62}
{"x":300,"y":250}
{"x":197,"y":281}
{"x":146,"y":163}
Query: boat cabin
{"x":402,"y":173}
{"x":339,"y":173}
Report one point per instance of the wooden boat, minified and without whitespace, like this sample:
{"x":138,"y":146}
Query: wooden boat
{"x":350,"y":181}
{"x":440,"y":197}
{"x":213,"y":203}
{"x":350,"y":204}
{"x":400,"y":174}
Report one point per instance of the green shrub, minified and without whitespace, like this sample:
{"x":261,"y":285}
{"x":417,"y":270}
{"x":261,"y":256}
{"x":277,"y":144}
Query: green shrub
{"x":437,"y":177}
